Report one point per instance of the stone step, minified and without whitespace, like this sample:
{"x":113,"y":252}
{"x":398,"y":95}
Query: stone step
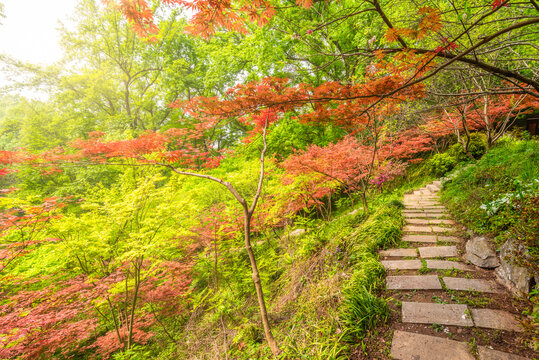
{"x":423,"y":209}
{"x":458,"y":315}
{"x":495,"y":319}
{"x":415,"y":221}
{"x":479,"y":285}
{"x":421,"y":206}
{"x":413,"y":282}
{"x":402,"y":264}
{"x":431,"y":264}
{"x":410,"y":346}
{"x":399,"y":252}
{"x":447,"y":265}
{"x":437,"y":183}
{"x":426,"y":229}
{"x":429,"y":313}
{"x":430,"y":238}
{"x":438,"y":251}
{"x":434,"y":208}
{"x":415,"y":215}
{"x":420,"y":238}
{"x":489,"y":354}
{"x":420,"y":197}
{"x":433,"y":188}
{"x":420,"y":203}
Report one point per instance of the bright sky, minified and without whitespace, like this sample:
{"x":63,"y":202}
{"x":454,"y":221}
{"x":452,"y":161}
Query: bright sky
{"x":28,"y":32}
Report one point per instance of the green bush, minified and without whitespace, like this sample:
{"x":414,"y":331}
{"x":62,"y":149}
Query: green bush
{"x":441,"y":164}
{"x":477,"y":148}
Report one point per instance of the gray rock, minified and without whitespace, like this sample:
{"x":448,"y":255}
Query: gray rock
{"x":516,"y":278}
{"x":479,"y":253}
{"x":296,"y":233}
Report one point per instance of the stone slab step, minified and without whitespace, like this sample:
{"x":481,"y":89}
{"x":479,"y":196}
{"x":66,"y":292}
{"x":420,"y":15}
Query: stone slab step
{"x":447,"y":265}
{"x":430,"y":313}
{"x":489,"y":354}
{"x":420,"y":204}
{"x":479,"y":285}
{"x":413,"y":282}
{"x":422,"y":215}
{"x":432,"y":208}
{"x":423,"y":211}
{"x":435,"y":207}
{"x":495,"y":319}
{"x":423,"y":238}
{"x":415,"y":221}
{"x":410,"y":346}
{"x":438,"y":251}
{"x":426,"y":229}
{"x":399,"y":252}
{"x":420,"y":197}
{"x":433,"y":188}
{"x":448,"y":238}
{"x":420,"y":238}
{"x":402,"y":264}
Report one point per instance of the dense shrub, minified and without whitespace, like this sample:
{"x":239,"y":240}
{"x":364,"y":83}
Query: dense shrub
{"x":476,"y":148}
{"x":441,"y":164}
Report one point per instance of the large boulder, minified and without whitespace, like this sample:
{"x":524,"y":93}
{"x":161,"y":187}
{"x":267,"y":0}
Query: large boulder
{"x":480,"y":253}
{"x":517,"y":278}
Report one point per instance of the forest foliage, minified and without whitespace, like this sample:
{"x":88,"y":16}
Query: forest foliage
{"x":183,"y":146}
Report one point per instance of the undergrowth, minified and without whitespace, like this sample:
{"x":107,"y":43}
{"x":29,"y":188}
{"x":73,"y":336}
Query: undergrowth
{"x":499,"y":195}
{"x":322,"y":287}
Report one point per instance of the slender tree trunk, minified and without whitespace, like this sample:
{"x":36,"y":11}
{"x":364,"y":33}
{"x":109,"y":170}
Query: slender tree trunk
{"x":215,"y":263}
{"x":466,"y":144}
{"x":225,"y":337}
{"x":365,"y":202}
{"x":258,"y":284}
{"x":138,"y":266}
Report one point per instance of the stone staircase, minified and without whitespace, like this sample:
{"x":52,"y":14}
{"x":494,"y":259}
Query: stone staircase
{"x":449,"y":310}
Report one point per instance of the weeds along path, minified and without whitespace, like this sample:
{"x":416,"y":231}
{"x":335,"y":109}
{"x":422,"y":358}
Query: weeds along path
{"x":445,"y":309}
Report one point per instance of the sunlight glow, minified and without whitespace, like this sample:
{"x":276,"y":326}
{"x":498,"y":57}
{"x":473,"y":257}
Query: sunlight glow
{"x":28,"y":32}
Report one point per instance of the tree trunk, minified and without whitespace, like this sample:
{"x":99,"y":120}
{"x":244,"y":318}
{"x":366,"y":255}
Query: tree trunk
{"x":258,"y":285}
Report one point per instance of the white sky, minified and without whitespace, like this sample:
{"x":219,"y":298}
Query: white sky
{"x":28,"y":32}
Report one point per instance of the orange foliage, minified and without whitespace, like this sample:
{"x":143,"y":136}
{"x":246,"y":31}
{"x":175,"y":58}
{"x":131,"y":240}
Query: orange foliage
{"x":208,"y":15}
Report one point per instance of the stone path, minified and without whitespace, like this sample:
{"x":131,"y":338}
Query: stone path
{"x":430,"y":266}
